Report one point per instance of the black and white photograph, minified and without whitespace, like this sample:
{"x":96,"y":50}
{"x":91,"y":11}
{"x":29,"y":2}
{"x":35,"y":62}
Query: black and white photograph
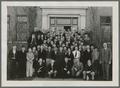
{"x":75,"y":43}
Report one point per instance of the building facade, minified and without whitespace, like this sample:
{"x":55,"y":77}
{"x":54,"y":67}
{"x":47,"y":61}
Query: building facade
{"x":22,"y":20}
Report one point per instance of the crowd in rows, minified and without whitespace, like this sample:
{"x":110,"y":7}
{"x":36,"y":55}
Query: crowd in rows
{"x":60,"y":54}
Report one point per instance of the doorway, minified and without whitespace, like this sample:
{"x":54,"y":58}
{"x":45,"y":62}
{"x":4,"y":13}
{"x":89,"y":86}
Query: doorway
{"x":67,"y":28}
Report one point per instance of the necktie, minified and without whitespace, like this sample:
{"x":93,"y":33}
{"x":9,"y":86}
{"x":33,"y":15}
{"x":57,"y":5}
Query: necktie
{"x":75,"y":53}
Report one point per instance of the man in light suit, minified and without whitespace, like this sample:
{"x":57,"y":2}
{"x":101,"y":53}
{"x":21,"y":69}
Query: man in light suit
{"x":76,"y":54}
{"x":105,"y":61}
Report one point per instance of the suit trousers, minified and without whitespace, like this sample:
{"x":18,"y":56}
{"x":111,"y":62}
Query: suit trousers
{"x":29,"y":69}
{"x":105,"y":71}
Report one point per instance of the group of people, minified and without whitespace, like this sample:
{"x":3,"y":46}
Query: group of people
{"x":60,"y":54}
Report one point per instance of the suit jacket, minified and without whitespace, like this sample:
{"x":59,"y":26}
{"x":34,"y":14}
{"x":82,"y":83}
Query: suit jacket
{"x":106,"y":55}
{"x":71,"y":57}
{"x":60,"y":58}
{"x":88,"y":55}
{"x":22,"y":56}
{"x":51,"y":67}
{"x":78,"y":67}
{"x":13,"y":56}
{"x":39,"y":41}
{"x":54,"y":55}
{"x":49,"y":54}
{"x":89,"y":68}
{"x":67,"y":66}
{"x":78,"y":54}
{"x":42,"y":54}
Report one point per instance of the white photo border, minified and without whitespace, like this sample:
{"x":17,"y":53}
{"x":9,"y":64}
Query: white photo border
{"x":115,"y":42}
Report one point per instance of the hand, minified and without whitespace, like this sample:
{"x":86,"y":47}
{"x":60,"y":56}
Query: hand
{"x":51,"y":71}
{"x":88,"y":71}
{"x":65,"y":69}
{"x":109,"y":62}
{"x":75,"y":69}
{"x":55,"y":71}
{"x":68,"y":72}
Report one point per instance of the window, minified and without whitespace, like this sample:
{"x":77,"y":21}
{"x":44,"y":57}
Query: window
{"x":74,"y":20}
{"x":8,"y":29}
{"x":63,"y":20}
{"x":22,"y":28}
{"x":106,"y":27}
{"x":52,"y":20}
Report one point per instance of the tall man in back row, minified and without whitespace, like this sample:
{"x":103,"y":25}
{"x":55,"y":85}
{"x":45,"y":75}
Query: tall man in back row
{"x":105,"y":61}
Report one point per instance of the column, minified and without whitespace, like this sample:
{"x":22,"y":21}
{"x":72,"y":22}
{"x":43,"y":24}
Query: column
{"x":83,"y":22}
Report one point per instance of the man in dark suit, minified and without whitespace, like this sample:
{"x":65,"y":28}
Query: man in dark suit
{"x":41,"y":68}
{"x":13,"y":59}
{"x":105,"y":60}
{"x":22,"y":62}
{"x":42,"y":54}
{"x":51,"y":69}
{"x":38,"y":40}
{"x":54,"y":54}
{"x":32,"y":41}
{"x":59,"y":61}
{"x":66,"y":68}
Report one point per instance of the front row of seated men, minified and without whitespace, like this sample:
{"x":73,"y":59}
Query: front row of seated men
{"x":66,"y":70}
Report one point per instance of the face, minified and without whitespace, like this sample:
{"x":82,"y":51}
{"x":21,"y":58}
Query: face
{"x":34,"y":48}
{"x":38,"y":36}
{"x":92,"y":47}
{"x":76,"y":48}
{"x":66,"y":59}
{"x":49,"y":48}
{"x":40,"y":60}
{"x":105,"y":45}
{"x":33,"y":36}
{"x":23,"y":48}
{"x":89,"y":62}
{"x":61,"y":48}
{"x":65,"y":48}
{"x":38,"y":47}
{"x":69,"y":50}
{"x":14,"y":47}
{"x":96,"y":49}
{"x":88,"y":47}
{"x":52,"y":62}
{"x":30,"y":50}
{"x":41,"y":47}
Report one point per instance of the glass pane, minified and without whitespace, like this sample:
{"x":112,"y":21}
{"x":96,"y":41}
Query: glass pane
{"x":75,"y":21}
{"x":52,"y":21}
{"x":61,"y":21}
{"x":22,"y":18}
{"x":105,"y":19}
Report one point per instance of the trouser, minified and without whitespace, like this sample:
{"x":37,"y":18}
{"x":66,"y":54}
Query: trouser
{"x":105,"y":70}
{"x":48,"y":61}
{"x":13,"y":69}
{"x":29,"y":69}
